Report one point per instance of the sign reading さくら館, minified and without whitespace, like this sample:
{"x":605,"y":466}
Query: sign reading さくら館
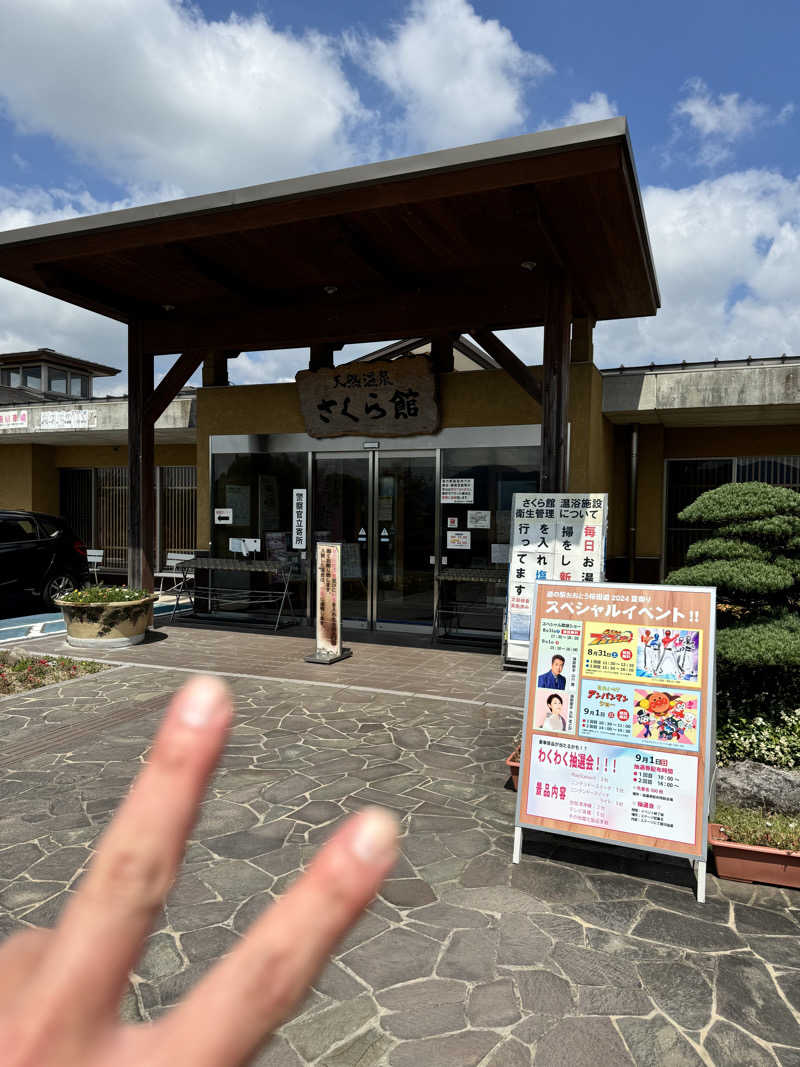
{"x":619,"y":713}
{"x":395,"y":398}
{"x":557,"y":537}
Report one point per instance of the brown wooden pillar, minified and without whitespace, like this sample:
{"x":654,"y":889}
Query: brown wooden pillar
{"x":141,"y":469}
{"x":321,"y":356}
{"x":555,"y":384}
{"x":442,"y":356}
{"x":582,"y":340}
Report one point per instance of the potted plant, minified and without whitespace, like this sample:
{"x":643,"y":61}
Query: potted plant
{"x":513,"y":761}
{"x":107,"y":616}
{"x":756,"y":846}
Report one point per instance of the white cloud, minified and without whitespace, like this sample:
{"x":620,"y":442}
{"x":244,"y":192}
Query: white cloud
{"x":597,"y":107}
{"x":726,"y":253}
{"x":152,"y":93}
{"x":456,"y":77}
{"x":716,"y":123}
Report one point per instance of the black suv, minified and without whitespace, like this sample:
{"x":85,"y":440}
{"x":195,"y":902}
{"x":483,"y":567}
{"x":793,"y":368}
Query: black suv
{"x":41,"y":554}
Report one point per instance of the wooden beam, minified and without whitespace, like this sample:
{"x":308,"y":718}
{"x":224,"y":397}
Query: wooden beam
{"x":555,"y":385}
{"x":73,"y":287}
{"x":511,"y":364}
{"x":442,"y":353}
{"x":141,"y":470}
{"x":341,"y":320}
{"x":472,"y":351}
{"x":320,"y":357}
{"x":375,"y":258}
{"x":582,"y":347}
{"x":215,"y":367}
{"x":176,"y":377}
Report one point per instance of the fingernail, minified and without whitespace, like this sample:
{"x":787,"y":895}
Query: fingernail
{"x":375,"y":839}
{"x":201,"y":701}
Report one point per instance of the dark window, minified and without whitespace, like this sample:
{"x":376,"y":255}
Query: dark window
{"x":32,"y":377}
{"x":79,"y":385}
{"x":12,"y":530}
{"x":10,"y":376}
{"x":57,"y":381}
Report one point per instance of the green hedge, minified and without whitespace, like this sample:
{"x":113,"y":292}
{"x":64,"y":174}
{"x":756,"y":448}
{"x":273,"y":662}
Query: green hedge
{"x":739,"y":502}
{"x":718,"y":548}
{"x":758,"y":669}
{"x":747,"y":578}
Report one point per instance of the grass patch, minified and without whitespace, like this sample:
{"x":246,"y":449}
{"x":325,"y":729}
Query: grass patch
{"x":753,"y":826}
{"x":21,"y":673}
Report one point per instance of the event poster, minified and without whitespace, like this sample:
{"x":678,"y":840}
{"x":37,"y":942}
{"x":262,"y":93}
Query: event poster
{"x":617,"y":725}
{"x":553,"y":537}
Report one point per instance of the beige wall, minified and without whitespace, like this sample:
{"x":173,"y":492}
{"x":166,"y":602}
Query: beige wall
{"x":29,"y":472}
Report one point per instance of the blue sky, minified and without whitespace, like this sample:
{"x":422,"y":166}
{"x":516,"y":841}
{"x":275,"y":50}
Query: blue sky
{"x":108,"y":103}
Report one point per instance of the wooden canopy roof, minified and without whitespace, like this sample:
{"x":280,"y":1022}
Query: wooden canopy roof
{"x":447,"y":242}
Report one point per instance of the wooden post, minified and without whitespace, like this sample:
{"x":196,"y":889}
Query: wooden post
{"x":582,"y":348}
{"x":320,"y":356}
{"x":555,"y":384}
{"x":215,"y":367}
{"x":141,"y":456}
{"x":442,"y":354}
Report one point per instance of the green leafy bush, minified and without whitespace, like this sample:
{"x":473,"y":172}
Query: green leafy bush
{"x":751,"y":554}
{"x":761,"y":740}
{"x":104,"y":594}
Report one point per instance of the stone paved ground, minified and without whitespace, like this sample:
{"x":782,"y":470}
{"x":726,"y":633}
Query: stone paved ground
{"x":577,"y":956}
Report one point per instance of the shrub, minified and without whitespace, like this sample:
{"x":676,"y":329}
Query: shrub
{"x":761,"y":740}
{"x":751,"y":554}
{"x":104,"y":594}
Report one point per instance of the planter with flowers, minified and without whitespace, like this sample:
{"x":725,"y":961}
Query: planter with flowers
{"x":104,"y":616}
{"x":756,"y":846}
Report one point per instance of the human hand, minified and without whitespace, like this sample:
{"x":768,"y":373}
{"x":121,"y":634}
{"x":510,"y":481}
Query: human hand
{"x":60,"y":989}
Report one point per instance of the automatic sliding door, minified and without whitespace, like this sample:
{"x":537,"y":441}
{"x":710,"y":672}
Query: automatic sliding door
{"x":341,"y":513}
{"x":405,"y":517}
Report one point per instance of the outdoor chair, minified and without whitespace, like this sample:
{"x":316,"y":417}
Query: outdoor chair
{"x":95,"y":558}
{"x":179,"y":578}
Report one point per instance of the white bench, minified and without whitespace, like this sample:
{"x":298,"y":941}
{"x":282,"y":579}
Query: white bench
{"x":175,"y":573}
{"x":95,"y":558}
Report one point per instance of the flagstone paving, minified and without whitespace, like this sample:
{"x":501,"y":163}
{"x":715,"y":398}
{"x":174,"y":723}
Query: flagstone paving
{"x":579,"y":955}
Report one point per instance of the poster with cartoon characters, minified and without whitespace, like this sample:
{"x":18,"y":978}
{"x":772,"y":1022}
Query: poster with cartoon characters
{"x":619,"y":711}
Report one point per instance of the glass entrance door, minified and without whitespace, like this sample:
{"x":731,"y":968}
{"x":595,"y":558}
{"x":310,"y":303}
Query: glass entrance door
{"x":341,"y":512}
{"x":404,"y":536}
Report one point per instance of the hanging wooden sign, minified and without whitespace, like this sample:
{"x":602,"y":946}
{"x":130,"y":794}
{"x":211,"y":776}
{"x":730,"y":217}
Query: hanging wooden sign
{"x":394,"y":398}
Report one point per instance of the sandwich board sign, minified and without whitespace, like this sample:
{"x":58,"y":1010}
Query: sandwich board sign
{"x":554,"y":537}
{"x":620,"y":717}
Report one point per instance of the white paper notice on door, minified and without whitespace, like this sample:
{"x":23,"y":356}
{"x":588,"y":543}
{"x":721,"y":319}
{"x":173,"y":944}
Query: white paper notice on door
{"x":479,"y":520}
{"x":459,"y":539}
{"x":458,"y":490}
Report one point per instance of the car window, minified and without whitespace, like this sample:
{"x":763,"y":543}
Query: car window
{"x":17,"y":530}
{"x":49,"y":528}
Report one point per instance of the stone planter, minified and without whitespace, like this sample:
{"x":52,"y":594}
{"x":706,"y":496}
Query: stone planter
{"x":513,"y":765}
{"x":115,"y":624}
{"x":753,"y":863}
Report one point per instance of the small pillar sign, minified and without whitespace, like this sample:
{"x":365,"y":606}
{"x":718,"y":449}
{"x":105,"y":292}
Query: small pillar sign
{"x":329,"y":605}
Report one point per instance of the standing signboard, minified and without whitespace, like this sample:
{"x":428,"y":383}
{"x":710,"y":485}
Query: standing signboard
{"x":619,"y":714}
{"x":554,"y":537}
{"x":329,"y":605}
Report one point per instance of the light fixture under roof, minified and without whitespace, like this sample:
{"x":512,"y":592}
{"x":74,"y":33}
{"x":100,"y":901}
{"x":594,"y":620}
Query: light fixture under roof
{"x":528,"y":264}
{"x":331,"y":289}
{"x":168,"y":307}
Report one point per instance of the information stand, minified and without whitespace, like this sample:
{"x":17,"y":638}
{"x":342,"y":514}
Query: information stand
{"x":554,"y":537}
{"x":329,"y":605}
{"x":620,"y":717}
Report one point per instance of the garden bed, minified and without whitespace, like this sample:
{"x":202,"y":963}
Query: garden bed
{"x":21,"y":672}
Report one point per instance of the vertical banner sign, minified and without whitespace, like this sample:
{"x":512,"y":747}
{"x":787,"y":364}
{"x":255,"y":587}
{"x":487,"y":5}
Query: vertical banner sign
{"x":619,"y":713}
{"x":557,"y":537}
{"x":329,"y":605}
{"x":298,"y":518}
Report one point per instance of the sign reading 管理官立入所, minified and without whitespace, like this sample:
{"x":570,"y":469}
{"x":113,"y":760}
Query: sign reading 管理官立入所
{"x":619,"y":711}
{"x":395,"y":398}
{"x":557,"y":537}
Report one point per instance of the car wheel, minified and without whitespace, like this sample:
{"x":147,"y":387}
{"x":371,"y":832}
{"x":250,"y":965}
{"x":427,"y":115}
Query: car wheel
{"x":57,"y":586}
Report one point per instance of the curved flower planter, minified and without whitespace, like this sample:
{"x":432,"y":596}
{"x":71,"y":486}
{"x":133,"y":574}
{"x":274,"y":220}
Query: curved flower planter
{"x":113,"y":624}
{"x":753,"y":863}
